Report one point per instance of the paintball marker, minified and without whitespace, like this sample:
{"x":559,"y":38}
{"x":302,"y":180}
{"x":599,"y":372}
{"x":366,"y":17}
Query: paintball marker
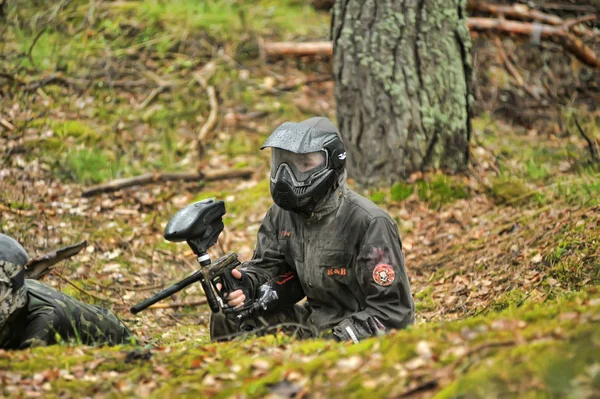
{"x":199,"y":224}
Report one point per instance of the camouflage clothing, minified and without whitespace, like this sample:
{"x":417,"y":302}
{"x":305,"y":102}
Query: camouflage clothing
{"x":11,"y":298}
{"x":51,"y":317}
{"x":33,"y":314}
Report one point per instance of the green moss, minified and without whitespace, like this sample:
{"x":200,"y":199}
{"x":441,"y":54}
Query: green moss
{"x":546,"y":369}
{"x":65,"y":133}
{"x":401,"y":191}
{"x":424,"y":301}
{"x":187,"y":365}
{"x":513,"y":298}
{"x":441,"y":190}
{"x":509,"y":190}
{"x":378,"y":197}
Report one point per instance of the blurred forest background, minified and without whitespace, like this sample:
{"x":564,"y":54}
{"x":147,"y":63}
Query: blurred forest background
{"x":504,"y":259}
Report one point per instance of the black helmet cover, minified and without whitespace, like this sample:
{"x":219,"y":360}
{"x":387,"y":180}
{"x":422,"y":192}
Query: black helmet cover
{"x":296,"y":190}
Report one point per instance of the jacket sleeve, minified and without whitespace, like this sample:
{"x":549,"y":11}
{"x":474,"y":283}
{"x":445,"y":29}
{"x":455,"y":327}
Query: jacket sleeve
{"x":382,"y":277}
{"x":267,"y":261}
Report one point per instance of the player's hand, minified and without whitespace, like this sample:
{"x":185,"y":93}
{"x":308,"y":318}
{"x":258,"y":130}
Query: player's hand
{"x":236,"y":298}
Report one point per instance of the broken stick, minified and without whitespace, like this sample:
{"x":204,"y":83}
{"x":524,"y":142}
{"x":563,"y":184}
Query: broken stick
{"x":274,"y":49}
{"x":201,"y":78}
{"x":39,"y":266}
{"x":149,"y":178}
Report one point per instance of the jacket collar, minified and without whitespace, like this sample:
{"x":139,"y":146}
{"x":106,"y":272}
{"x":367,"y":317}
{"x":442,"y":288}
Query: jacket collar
{"x":329,"y":203}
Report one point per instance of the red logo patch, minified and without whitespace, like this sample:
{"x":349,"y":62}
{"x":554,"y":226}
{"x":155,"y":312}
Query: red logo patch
{"x":336,"y":271}
{"x":384,"y":274}
{"x":284,"y":233}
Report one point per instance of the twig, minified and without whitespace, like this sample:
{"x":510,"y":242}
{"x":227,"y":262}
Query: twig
{"x":517,"y":11}
{"x":557,"y":34}
{"x":149,"y":178}
{"x":304,"y":83}
{"x":97,"y":297}
{"x":155,"y":92}
{"x":212,"y":116}
{"x":202,"y":301}
{"x":570,"y":23}
{"x":30,"y":51}
{"x":7,"y":125}
{"x":20,"y":212}
{"x":592,"y":147}
{"x":513,"y":70}
{"x":77,"y":82}
{"x":567,"y":7}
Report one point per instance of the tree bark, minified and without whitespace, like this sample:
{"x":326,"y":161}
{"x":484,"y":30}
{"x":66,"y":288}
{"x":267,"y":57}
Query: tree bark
{"x":402,"y":71}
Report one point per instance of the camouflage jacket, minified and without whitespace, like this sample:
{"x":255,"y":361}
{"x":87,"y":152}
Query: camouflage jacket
{"x":50,"y":317}
{"x":348,"y":259}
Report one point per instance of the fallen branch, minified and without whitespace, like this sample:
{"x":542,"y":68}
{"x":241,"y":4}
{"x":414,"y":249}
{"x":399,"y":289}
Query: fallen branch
{"x":39,"y":266}
{"x":302,"y":83}
{"x":202,"y":301}
{"x":79,"y":83}
{"x":558,"y":34}
{"x":149,"y":178}
{"x":517,"y":11}
{"x":277,"y":49}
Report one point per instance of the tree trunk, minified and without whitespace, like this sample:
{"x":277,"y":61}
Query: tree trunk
{"x":402,"y":71}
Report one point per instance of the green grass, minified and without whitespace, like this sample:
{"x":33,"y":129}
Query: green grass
{"x":88,"y":166}
{"x":228,"y":19}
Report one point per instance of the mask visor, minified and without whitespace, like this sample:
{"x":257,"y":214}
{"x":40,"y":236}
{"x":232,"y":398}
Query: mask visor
{"x":302,"y":166}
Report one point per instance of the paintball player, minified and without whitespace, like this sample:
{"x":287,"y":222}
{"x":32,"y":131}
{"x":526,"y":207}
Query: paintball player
{"x":341,"y":250}
{"x":34,"y":314}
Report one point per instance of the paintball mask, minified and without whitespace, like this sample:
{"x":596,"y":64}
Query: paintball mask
{"x":13,"y":295}
{"x":307,"y":160}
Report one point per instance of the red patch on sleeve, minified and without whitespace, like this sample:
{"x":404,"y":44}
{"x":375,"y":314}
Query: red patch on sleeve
{"x":384,"y":274}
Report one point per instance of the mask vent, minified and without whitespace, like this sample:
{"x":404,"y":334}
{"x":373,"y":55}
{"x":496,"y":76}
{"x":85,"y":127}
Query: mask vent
{"x":300,"y":190}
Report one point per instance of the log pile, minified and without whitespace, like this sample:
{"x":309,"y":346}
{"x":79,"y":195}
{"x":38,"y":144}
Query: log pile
{"x":524,"y":21}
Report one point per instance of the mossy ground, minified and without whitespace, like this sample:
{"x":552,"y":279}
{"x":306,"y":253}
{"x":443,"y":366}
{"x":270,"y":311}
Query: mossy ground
{"x":508,"y":253}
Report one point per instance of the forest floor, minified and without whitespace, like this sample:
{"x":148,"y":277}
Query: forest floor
{"x":504,"y":261}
